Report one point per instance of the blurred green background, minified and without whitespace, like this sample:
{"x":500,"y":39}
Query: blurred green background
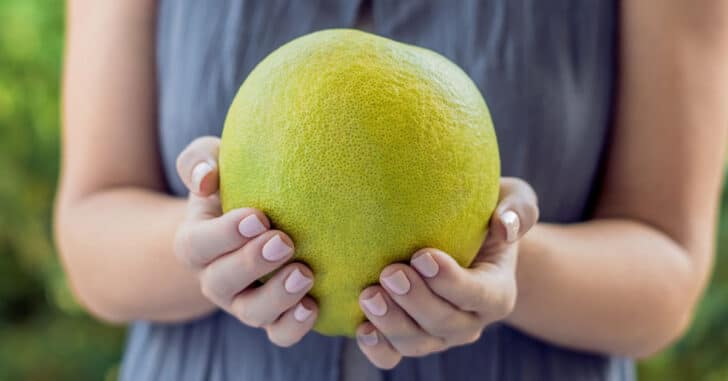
{"x":44,"y":334}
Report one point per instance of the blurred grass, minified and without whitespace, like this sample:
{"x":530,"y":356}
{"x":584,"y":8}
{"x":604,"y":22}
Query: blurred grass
{"x":44,"y":335}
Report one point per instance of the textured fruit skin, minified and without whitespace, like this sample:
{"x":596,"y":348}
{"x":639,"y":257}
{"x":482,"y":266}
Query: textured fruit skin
{"x":364,"y":150}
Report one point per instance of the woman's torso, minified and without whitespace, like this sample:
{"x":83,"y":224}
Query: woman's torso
{"x":547,"y":72}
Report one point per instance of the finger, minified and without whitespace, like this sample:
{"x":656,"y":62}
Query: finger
{"x":200,"y":242}
{"x":201,"y":208}
{"x":294,"y":323}
{"x":433,"y":314}
{"x":482,"y":289}
{"x":517,"y":210}
{"x":197,"y":165}
{"x":399,"y":329}
{"x":231,"y":273}
{"x":260,"y":306}
{"x":376,"y":348}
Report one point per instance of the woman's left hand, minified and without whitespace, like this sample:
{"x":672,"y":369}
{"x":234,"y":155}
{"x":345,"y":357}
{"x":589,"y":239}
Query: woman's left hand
{"x":434,"y":303}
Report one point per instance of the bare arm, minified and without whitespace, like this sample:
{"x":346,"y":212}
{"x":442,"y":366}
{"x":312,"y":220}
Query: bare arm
{"x":114,"y":224}
{"x":627,"y":282}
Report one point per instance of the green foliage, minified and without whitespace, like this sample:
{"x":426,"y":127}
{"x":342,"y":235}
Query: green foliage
{"x":44,"y":334}
{"x":702,"y":353}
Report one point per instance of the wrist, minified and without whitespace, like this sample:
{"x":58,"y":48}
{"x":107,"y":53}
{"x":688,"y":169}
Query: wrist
{"x":525,"y":248}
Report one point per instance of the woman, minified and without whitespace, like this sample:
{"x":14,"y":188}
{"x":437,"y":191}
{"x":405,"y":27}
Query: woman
{"x":626,"y":168}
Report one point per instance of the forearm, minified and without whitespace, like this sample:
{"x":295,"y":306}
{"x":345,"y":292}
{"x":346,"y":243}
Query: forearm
{"x":612,"y":286}
{"x":117,"y":249}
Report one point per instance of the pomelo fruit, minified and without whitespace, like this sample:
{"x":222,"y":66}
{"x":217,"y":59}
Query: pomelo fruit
{"x":363,"y":150}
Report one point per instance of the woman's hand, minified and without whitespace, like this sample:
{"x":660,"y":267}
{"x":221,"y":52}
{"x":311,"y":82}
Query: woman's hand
{"x":230,"y":252}
{"x":434,"y":304}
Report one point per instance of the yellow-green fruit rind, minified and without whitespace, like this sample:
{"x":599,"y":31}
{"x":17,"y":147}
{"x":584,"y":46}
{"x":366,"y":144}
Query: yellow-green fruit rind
{"x":364,"y":150}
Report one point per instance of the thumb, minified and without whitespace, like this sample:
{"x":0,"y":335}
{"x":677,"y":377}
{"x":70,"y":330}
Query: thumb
{"x":197,"y":166}
{"x":200,"y":208}
{"x":516,"y":213}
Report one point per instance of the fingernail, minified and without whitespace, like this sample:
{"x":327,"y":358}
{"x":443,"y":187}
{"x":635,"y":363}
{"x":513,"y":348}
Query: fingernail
{"x":275,"y":249}
{"x":376,"y":305}
{"x":301,"y":313}
{"x":512,"y":223}
{"x":369,"y":339}
{"x":198,"y":174}
{"x":426,"y":265}
{"x":251,"y":226}
{"x":296,"y":282}
{"x":397,"y":282}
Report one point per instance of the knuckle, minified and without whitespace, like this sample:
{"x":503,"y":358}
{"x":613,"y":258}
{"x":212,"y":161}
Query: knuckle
{"x":408,"y":351}
{"x":197,"y":142}
{"x":438,"y":344}
{"x":424,"y":347}
{"x":517,"y":181}
{"x":180,"y":162}
{"x":388,"y":363}
{"x":478,"y":301}
{"x":250,"y":312}
{"x":415,"y":350}
{"x":509,"y":304}
{"x":219,"y":286}
{"x":439,"y":325}
{"x":211,"y":289}
{"x":485,"y":298}
{"x":285,"y":343}
{"x":533,"y":211}
{"x":249,"y":317}
{"x":207,"y":291}
{"x":187,"y":249}
{"x":471,"y":337}
{"x":276,"y":337}
{"x":250,"y":261}
{"x":520,"y":186}
{"x":203,"y":141}
{"x":215,"y":203}
{"x":278,"y":304}
{"x":503,"y":303}
{"x":195,"y":149}
{"x":182,"y":246}
{"x":227,"y":284}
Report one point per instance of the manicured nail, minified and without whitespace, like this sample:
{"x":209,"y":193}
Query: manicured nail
{"x":297,"y":282}
{"x":397,"y":282}
{"x":251,"y":226}
{"x":512,"y":223}
{"x":369,"y":339}
{"x":426,"y":265}
{"x":198,"y":174}
{"x":301,"y":313}
{"x":275,"y":249}
{"x":376,"y":305}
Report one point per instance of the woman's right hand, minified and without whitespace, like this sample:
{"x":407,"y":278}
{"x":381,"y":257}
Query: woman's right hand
{"x":230,"y":252}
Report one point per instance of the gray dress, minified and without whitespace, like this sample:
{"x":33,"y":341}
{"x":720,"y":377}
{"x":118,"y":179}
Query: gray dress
{"x":547,"y":70}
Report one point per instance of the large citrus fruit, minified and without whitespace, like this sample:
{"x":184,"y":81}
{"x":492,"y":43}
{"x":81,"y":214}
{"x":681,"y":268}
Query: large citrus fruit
{"x":364,"y":150}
